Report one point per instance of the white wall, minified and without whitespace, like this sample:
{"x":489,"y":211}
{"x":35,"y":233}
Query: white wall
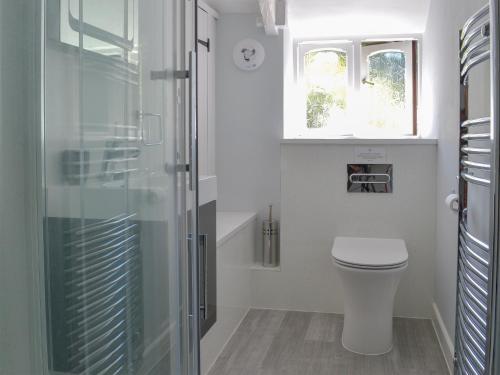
{"x":316,"y":208}
{"x":441,"y":106}
{"x":316,"y":18}
{"x":249,"y":120}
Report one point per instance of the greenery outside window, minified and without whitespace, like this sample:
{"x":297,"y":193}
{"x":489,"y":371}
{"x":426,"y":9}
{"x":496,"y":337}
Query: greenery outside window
{"x":325,"y":78}
{"x":364,"y":89}
{"x":326,"y":85}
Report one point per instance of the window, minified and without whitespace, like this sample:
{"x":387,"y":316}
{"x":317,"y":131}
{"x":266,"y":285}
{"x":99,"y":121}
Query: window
{"x":326,"y":83}
{"x":365,"y":89}
{"x":387,"y":88}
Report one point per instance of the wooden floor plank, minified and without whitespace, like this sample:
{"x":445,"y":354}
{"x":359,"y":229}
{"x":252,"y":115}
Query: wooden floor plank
{"x":272,"y":342}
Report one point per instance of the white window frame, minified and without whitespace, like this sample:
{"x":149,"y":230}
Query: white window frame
{"x":302,"y":49}
{"x":298,"y":129}
{"x":400,"y":45}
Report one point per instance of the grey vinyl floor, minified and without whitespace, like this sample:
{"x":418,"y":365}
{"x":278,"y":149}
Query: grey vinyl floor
{"x":270,"y":342}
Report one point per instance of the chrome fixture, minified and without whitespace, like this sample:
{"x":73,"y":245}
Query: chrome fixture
{"x":478,"y":240}
{"x":369,"y":178}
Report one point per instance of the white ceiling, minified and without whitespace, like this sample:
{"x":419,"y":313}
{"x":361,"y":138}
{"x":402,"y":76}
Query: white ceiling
{"x":318,"y":18}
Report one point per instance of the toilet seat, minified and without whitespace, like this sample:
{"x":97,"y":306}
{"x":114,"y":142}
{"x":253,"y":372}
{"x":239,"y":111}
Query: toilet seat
{"x":373,"y":268}
{"x":370,"y":253}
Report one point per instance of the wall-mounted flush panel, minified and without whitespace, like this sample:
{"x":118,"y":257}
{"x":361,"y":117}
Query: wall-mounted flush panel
{"x":369,"y":178}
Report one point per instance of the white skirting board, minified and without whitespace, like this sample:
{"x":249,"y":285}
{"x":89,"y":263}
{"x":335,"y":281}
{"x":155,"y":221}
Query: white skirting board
{"x":445,"y":341}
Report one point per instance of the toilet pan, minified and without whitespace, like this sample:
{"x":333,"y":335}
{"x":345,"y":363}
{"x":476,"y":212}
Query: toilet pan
{"x":370,"y":270}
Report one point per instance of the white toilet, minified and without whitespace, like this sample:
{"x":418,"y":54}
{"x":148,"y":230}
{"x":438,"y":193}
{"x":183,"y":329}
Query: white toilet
{"x":370,"y":269}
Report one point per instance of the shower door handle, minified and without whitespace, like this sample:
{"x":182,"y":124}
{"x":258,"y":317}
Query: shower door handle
{"x":190,"y":74}
{"x":193,"y":123}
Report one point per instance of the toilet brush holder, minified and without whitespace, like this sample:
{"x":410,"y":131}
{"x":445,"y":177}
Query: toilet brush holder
{"x":270,"y":243}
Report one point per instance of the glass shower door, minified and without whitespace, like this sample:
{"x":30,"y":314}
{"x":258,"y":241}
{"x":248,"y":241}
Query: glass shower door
{"x":114,"y":210}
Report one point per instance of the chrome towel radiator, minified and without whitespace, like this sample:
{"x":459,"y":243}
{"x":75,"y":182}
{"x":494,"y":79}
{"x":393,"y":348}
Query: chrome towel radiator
{"x":95,"y":293}
{"x":478,"y":183}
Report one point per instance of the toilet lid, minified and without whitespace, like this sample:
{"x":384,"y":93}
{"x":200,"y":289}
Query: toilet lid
{"x":369,"y":252}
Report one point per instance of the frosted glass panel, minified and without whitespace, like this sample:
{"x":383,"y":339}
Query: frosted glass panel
{"x":112,"y":209}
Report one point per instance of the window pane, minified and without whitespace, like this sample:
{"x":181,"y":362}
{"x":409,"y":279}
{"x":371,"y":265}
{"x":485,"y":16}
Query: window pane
{"x":387,"y":98}
{"x":326,"y":83}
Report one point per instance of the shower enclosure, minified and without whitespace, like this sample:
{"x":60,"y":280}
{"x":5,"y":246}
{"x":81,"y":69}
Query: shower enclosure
{"x":110,"y":140}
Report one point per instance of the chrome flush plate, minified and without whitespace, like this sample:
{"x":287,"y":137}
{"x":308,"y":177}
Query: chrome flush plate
{"x":369,"y":178}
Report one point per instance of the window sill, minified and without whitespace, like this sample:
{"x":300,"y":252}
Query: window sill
{"x":360,"y":141}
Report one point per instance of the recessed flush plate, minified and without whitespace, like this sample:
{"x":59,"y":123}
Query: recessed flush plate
{"x":369,"y":178}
